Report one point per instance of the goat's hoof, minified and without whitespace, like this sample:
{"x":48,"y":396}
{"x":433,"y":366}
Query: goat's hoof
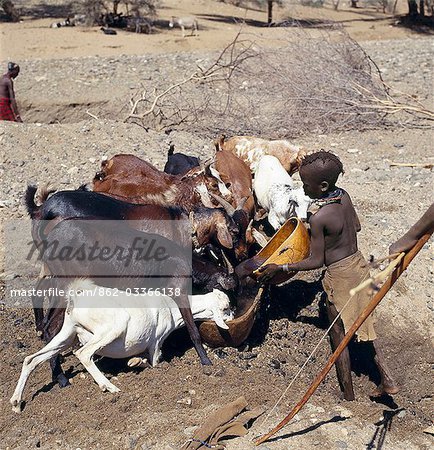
{"x":108,"y":387}
{"x":16,"y":406}
{"x":138,"y":363}
{"x":62,"y":381}
{"x":207,"y":370}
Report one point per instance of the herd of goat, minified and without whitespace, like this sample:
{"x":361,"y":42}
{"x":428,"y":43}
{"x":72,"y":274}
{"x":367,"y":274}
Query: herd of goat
{"x":246,"y":180}
{"x":134,"y":23}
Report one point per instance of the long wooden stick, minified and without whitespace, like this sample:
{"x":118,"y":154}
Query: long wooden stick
{"x":356,"y":325}
{"x":376,"y":262}
{"x":424,"y":165}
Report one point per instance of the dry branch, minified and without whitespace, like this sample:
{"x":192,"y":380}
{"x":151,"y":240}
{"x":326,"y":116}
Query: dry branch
{"x":220,"y":71}
{"x":92,"y":115}
{"x":309,"y":84}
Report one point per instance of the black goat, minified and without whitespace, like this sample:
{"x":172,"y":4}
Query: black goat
{"x":178,"y":163}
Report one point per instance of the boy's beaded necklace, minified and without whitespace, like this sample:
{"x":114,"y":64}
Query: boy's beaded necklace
{"x":332,"y":197}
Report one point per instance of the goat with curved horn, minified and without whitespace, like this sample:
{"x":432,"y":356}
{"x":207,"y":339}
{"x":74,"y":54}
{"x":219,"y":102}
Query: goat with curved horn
{"x":229,"y":266}
{"x":225,"y":204}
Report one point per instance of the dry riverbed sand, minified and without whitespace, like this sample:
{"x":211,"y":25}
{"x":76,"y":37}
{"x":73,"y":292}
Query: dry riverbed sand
{"x":67,"y":72}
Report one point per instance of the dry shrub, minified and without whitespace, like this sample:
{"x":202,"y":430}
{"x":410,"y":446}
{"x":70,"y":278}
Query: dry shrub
{"x":11,"y":13}
{"x":93,"y":9}
{"x":320,"y":83}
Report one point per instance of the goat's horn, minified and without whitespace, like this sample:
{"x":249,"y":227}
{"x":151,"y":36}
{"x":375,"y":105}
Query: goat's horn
{"x":229,"y":266}
{"x":226,"y":205}
{"x":205,"y":164}
{"x":171,"y":149}
{"x":242,"y":203}
{"x":213,"y":254}
{"x":259,"y":237}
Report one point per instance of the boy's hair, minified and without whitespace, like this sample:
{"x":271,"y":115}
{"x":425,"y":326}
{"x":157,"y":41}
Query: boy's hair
{"x":326,"y":164}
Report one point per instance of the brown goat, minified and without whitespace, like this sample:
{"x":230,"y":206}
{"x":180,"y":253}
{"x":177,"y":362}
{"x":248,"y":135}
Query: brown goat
{"x":140,"y":182}
{"x":251,"y":149}
{"x":237,"y":178}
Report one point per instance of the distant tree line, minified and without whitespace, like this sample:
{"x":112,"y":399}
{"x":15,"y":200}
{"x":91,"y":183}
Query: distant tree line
{"x":416,"y":8}
{"x":9,"y":10}
{"x":95,"y":7}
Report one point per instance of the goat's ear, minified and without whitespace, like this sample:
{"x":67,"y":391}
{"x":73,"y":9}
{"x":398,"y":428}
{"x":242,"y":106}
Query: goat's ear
{"x":218,"y":319}
{"x":223,"y":236}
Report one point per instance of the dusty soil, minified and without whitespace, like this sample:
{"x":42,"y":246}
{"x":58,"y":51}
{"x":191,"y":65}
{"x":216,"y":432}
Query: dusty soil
{"x":218,"y":23}
{"x":67,"y":72}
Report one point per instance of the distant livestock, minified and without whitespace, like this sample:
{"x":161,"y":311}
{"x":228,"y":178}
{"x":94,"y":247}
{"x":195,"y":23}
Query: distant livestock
{"x":65,"y":23}
{"x":185,"y":23}
{"x":139,"y":25}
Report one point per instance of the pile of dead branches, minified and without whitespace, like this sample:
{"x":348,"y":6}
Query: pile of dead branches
{"x":312,"y":83}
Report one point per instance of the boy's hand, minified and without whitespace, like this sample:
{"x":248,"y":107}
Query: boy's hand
{"x":268,"y":272}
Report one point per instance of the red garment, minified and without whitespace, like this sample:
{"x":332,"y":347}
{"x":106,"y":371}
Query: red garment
{"x":6,"y":112}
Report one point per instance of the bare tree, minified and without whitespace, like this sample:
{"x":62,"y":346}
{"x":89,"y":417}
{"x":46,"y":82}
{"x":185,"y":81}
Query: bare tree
{"x":10,"y":11}
{"x":420,"y":9}
{"x":268,"y":4}
{"x":139,"y":8}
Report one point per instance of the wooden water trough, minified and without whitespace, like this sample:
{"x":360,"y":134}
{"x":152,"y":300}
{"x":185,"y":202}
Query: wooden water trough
{"x":290,"y":244}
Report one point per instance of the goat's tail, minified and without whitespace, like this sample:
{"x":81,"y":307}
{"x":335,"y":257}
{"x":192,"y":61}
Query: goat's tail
{"x":44,"y":192}
{"x":171,"y":149}
{"x":29,"y":198}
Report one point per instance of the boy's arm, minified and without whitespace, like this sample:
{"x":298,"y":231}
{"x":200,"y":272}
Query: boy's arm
{"x":422,"y":226}
{"x":314,"y":261}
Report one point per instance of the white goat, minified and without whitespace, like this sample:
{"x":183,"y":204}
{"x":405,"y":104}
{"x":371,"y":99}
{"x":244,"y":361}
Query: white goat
{"x":185,"y":23}
{"x":275,"y":192}
{"x":118,"y":326}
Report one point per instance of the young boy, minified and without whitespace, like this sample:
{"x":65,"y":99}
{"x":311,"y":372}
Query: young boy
{"x":334,"y":230}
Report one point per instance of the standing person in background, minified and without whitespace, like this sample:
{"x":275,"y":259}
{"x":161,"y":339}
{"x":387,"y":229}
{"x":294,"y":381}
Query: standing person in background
{"x":8,"y":104}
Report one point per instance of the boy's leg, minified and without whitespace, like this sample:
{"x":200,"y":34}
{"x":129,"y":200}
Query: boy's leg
{"x":387,"y":383}
{"x":343,"y":364}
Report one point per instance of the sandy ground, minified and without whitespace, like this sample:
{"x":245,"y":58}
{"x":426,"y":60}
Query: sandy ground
{"x":60,"y":143}
{"x":218,"y":23}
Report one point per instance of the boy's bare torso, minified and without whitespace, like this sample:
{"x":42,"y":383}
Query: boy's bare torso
{"x":340,"y":225}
